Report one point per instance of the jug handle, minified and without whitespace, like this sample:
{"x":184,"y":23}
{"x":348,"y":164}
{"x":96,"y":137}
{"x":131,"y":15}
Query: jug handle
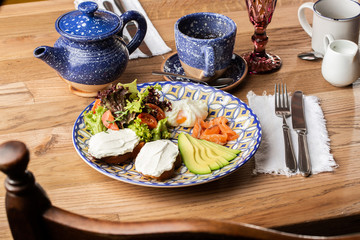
{"x":141,"y":31}
{"x":327,"y":40}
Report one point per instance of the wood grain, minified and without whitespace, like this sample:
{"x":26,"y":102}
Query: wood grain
{"x":37,"y":108}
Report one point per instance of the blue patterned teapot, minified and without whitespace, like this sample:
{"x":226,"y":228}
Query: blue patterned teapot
{"x":90,"y":53}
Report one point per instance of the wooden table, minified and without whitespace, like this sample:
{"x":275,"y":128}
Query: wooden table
{"x":37,"y":108}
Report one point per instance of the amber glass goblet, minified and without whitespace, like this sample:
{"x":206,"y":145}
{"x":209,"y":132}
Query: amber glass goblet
{"x":260,"y":14}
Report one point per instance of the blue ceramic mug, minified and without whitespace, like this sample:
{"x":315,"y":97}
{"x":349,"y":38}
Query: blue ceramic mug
{"x":205,"y":43}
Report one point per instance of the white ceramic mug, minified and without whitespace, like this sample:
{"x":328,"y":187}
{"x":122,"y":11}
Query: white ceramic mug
{"x":341,"y":63}
{"x":340,"y":18}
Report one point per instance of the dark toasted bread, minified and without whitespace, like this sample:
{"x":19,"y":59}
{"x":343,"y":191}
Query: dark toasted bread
{"x":170,"y":173}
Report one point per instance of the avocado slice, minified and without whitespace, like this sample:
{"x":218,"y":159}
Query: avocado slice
{"x":220,"y":150}
{"x":219,"y":158}
{"x":187,"y":151}
{"x":211,"y":155}
{"x":215,"y":145}
{"x":202,"y":153}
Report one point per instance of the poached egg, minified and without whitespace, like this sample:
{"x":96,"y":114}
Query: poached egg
{"x":186,"y":111}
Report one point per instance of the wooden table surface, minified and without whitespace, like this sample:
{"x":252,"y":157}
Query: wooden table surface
{"x":37,"y":108}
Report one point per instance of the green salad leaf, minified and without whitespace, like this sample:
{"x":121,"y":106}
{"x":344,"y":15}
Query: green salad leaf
{"x":135,"y":105}
{"x":131,"y":86}
{"x":161,"y":131}
{"x":141,"y":130}
{"x":146,"y":135}
{"x":93,"y":121}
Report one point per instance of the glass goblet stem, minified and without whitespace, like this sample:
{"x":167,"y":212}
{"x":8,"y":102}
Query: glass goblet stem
{"x":260,"y":15}
{"x":259,"y":40}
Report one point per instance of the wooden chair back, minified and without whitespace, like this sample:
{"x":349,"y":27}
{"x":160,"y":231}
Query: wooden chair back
{"x":32,"y":216}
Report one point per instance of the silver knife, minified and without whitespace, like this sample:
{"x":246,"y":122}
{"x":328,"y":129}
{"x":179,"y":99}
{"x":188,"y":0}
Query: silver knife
{"x":131,"y":27}
{"x":299,"y":124}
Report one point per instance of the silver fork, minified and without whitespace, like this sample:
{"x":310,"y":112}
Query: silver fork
{"x":282,"y":109}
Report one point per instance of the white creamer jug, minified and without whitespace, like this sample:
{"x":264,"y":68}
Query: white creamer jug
{"x":341,"y":63}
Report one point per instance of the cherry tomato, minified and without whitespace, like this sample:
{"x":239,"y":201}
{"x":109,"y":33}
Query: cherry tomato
{"x":159,"y":112}
{"x":108,"y":120}
{"x":148,"y":119}
{"x":95,"y":106}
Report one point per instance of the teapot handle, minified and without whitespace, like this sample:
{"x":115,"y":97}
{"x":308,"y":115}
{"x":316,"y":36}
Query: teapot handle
{"x":141,"y":31}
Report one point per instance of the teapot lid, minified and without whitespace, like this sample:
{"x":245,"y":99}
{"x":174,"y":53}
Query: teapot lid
{"x":88,"y":23}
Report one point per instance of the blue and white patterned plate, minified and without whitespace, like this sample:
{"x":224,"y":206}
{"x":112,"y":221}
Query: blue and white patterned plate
{"x":241,"y":119}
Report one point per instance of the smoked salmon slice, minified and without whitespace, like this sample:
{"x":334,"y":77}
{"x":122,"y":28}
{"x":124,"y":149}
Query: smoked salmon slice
{"x":215,"y":130}
{"x":215,"y":138}
{"x":196,"y":133}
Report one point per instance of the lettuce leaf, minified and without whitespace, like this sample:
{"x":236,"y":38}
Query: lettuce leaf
{"x":93,"y":121}
{"x":161,"y":131}
{"x":131,"y":86}
{"x":135,"y":105}
{"x":141,"y":130}
{"x":115,"y":99}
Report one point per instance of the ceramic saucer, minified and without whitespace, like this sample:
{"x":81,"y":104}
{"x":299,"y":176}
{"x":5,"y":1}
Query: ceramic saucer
{"x":237,"y":70}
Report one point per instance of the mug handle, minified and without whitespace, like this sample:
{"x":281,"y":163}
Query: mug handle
{"x":302,"y":19}
{"x":327,"y":40}
{"x":141,"y":31}
{"x":209,"y":56}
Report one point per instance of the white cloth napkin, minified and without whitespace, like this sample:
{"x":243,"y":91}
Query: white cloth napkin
{"x":152,"y":38}
{"x":270,"y":157}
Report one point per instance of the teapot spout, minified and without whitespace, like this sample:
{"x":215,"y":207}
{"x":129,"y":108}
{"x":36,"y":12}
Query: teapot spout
{"x":52,"y":56}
